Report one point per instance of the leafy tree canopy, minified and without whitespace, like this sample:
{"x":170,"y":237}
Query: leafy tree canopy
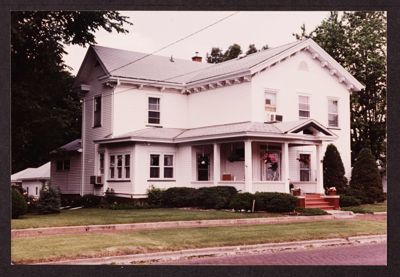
{"x":217,"y":55}
{"x":357,"y":40}
{"x":45,"y":112}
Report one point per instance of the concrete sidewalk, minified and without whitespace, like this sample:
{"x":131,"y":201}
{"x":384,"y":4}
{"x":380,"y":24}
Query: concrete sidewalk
{"x":18,"y":233}
{"x":169,"y":256}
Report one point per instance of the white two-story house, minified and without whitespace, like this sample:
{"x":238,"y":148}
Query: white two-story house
{"x":257,"y":123}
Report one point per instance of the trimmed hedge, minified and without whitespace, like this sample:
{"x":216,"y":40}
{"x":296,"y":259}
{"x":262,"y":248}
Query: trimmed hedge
{"x":18,"y":204}
{"x":242,"y":201}
{"x":347,"y":201}
{"x":217,"y":197}
{"x":310,"y":211}
{"x":179,"y":197}
{"x":91,"y":201}
{"x":275,"y":202}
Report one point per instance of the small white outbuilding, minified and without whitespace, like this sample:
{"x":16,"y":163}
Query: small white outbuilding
{"x":32,"y":179}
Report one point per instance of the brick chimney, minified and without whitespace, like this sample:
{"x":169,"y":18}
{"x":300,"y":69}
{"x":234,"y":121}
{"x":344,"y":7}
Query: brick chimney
{"x":197,"y":58}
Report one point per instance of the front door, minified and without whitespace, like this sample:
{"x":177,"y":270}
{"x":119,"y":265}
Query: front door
{"x":203,"y":167}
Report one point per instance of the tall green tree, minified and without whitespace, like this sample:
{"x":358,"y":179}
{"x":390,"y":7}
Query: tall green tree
{"x":357,"y":40}
{"x":252,"y":49}
{"x":366,"y":182}
{"x":333,"y":170}
{"x":233,"y":52}
{"x":45,"y":111}
{"x":216,"y":55}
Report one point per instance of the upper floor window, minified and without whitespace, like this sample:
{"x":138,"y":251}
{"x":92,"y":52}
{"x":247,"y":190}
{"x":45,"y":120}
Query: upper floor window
{"x":63,"y":165}
{"x":304,"y":106}
{"x":333,"y":113}
{"x":101,"y":163}
{"x":270,"y":101}
{"x":97,"y":112}
{"x":154,"y":110}
{"x":120,"y":166}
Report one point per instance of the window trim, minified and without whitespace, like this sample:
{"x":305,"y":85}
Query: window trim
{"x":63,"y":167}
{"x":101,"y":110}
{"x":123,"y":166}
{"x":274,"y":92}
{"x":337,"y":114}
{"x":159,"y":110}
{"x":161,"y":166}
{"x":298,"y":105}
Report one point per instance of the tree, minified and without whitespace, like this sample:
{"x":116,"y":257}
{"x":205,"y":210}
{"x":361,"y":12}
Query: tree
{"x":45,"y":111}
{"x":252,"y":49}
{"x":49,"y":200}
{"x":216,"y":55}
{"x":334,"y":170}
{"x":366,"y":182}
{"x":233,"y":52}
{"x":18,"y":204}
{"x":357,"y":40}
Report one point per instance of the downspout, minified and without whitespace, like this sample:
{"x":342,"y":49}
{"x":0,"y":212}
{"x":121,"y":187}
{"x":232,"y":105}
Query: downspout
{"x":83,"y":146}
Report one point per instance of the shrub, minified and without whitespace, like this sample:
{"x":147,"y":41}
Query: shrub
{"x":366,"y":179}
{"x":18,"y":204}
{"x":242,"y":201}
{"x":215,"y":197}
{"x":154,"y":196}
{"x":91,"y":201}
{"x":333,"y":170}
{"x":32,"y":203}
{"x":275,"y":202}
{"x":72,"y":201}
{"x":49,"y":200}
{"x":179,"y":197}
{"x":110,"y":196}
{"x":127,"y":206}
{"x":310,"y":211}
{"x":347,"y":201}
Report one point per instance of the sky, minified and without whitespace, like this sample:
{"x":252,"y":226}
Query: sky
{"x":152,"y":30}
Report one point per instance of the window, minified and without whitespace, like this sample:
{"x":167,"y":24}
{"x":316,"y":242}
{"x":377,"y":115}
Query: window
{"x":127,"y":166}
{"x":97,"y":112}
{"x":27,"y":190}
{"x":154,"y":110}
{"x":37,"y":189}
{"x":304,"y":106}
{"x":333,"y":113}
{"x":63,"y":165}
{"x":168,"y":166}
{"x":154,"y":166}
{"x":120,"y":166}
{"x":203,"y":167}
{"x":101,"y":163}
{"x":270,"y":101}
{"x":271,"y":166}
{"x":305,"y":169}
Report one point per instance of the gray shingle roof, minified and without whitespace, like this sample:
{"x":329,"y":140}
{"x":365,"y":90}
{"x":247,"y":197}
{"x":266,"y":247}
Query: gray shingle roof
{"x":75,"y":145}
{"x":42,"y":172}
{"x":160,"y":68}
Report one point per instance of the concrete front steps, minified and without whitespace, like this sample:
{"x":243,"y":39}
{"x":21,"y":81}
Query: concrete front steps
{"x":314,"y":200}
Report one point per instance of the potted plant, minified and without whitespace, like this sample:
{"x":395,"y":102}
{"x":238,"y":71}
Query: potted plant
{"x":331,"y":191}
{"x":296,"y":191}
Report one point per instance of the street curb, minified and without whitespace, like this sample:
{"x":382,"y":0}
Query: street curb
{"x":222,"y":251}
{"x":44,"y":231}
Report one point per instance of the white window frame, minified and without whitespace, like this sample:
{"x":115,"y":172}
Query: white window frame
{"x":309,"y":106}
{"x":300,"y":168}
{"x":101,"y":110}
{"x":123,"y":166}
{"x":337,"y":113}
{"x":150,"y":110}
{"x":270,"y":107}
{"x":161,"y":166}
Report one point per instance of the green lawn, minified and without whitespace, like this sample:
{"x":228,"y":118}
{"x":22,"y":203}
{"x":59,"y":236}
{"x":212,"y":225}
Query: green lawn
{"x":107,"y":216}
{"x":95,"y":245}
{"x":379,"y":207}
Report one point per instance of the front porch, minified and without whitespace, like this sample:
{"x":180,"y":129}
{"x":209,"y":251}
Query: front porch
{"x":252,"y":165}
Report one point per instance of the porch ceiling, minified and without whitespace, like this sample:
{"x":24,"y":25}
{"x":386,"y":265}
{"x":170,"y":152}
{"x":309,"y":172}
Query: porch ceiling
{"x":283,"y":131}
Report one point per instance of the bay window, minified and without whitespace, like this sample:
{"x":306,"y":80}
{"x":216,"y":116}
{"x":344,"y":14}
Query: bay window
{"x":120,"y":166}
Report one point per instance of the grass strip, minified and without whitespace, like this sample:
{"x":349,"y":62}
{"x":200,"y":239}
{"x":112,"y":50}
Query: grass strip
{"x":106,"y":216}
{"x":58,"y":247}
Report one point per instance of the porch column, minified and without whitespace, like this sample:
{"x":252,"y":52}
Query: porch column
{"x":248,"y":167}
{"x":320,"y":173}
{"x":217,"y":164}
{"x":285,"y":167}
{"x":106,"y":169}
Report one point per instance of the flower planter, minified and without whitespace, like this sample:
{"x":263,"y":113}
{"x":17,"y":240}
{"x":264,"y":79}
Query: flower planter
{"x":331,"y":192}
{"x":296,"y":192}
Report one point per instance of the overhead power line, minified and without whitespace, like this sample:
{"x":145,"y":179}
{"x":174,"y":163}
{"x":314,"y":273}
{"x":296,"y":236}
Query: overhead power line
{"x":175,"y":42}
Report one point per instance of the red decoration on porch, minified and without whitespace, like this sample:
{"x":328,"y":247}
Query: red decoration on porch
{"x":304,"y":160}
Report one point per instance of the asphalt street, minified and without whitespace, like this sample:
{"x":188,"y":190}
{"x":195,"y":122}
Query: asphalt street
{"x":367,"y":254}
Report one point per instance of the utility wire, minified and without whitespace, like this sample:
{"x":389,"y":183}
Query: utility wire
{"x":175,"y":42}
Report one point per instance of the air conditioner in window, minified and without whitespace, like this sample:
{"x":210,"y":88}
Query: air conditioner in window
{"x":96,"y":180}
{"x":273,"y":117}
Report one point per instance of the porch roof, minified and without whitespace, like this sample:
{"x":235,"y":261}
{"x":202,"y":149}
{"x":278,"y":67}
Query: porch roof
{"x":75,"y":145}
{"x":281,"y":130}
